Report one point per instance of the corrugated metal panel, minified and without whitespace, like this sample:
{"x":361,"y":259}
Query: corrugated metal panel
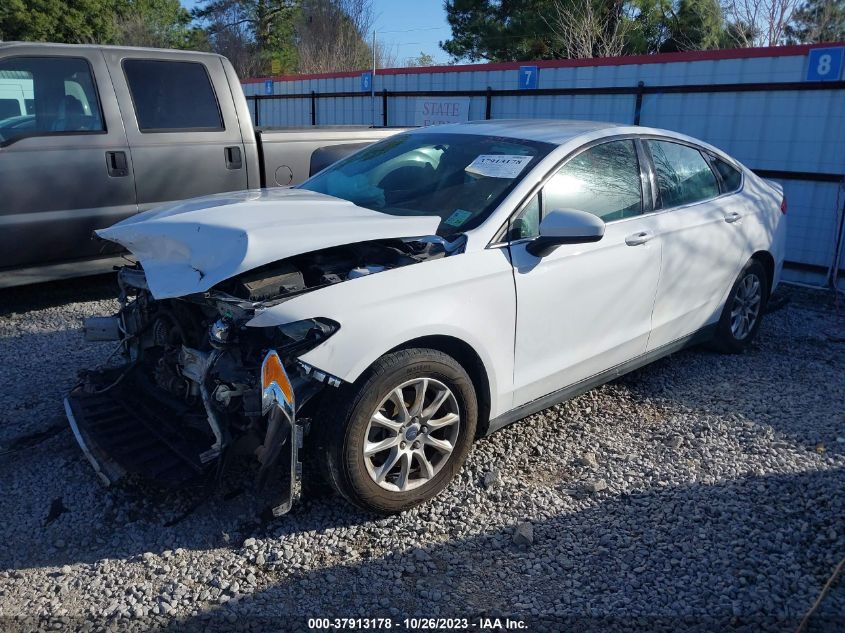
{"x":799,"y":131}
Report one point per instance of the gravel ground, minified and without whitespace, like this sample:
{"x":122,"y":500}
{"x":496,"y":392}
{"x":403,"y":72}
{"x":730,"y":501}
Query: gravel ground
{"x":703,"y":492}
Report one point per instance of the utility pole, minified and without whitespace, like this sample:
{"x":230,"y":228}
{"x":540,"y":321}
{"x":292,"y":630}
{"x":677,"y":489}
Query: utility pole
{"x":373,"y":83}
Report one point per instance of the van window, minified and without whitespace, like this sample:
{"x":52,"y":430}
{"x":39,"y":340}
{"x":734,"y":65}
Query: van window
{"x":172,"y":96}
{"x":683,"y":176}
{"x":46,"y":96}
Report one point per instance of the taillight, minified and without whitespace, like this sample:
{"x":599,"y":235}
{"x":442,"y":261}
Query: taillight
{"x":783,"y":205}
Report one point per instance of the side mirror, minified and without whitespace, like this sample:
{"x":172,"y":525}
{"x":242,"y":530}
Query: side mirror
{"x":566,"y":226}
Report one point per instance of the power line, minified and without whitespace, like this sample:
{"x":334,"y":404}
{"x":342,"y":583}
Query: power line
{"x":428,"y":28}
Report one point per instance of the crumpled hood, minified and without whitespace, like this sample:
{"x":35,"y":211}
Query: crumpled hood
{"x":193,"y":245}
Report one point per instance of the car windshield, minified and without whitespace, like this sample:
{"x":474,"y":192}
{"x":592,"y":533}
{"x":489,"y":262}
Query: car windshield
{"x":460,"y":177}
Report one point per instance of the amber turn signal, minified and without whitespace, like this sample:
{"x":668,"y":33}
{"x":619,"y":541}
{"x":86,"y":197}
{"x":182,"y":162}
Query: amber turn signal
{"x":273,"y":371}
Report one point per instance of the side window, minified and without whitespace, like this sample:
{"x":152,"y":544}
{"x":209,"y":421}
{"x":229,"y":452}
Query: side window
{"x":172,"y":96}
{"x":683,"y":176}
{"x":47,"y":95}
{"x":527,"y":223}
{"x":603,"y":180}
{"x":731,"y":177}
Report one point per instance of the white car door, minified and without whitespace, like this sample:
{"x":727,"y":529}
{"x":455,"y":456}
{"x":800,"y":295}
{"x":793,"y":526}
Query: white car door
{"x":585,"y":308}
{"x":702,"y":242}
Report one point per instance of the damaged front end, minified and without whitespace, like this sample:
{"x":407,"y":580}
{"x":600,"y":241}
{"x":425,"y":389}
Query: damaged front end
{"x":197,"y":387}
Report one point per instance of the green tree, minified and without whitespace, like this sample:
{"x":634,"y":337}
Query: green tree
{"x":68,"y":21}
{"x":252,"y":33}
{"x":421,"y":60}
{"x":665,"y":26}
{"x":694,"y":25}
{"x":509,"y":30}
{"x":157,"y":23}
{"x":499,"y":30}
{"x":651,"y":26}
{"x":817,"y":21}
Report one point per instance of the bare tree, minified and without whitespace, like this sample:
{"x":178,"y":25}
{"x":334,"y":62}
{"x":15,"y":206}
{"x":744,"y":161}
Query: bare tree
{"x":231,"y":35}
{"x":760,"y":22}
{"x":818,"y":21}
{"x":587,"y":29}
{"x":333,"y":36}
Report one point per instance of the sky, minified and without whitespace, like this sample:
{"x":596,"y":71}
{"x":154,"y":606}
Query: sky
{"x":409,"y":27}
{"x":406,"y":27}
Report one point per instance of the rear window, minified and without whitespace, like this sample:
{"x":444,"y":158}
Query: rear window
{"x":731,"y":177}
{"x":683,"y":176}
{"x":172,"y":96}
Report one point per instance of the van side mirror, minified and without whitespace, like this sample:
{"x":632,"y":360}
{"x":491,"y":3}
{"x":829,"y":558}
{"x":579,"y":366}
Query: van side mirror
{"x":566,"y":226}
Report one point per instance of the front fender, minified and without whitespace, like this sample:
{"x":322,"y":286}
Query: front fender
{"x":469,"y":296}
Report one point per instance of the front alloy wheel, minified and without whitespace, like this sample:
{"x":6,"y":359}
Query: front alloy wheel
{"x":411,"y":434}
{"x":396,"y":437}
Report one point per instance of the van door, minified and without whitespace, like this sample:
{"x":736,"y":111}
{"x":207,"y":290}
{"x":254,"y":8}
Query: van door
{"x":65,"y":167}
{"x":181,"y":123}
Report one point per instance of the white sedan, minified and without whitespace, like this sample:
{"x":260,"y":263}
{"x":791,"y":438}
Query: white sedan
{"x":429,"y":289}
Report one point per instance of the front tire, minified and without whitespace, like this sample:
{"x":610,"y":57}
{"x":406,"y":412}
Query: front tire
{"x":396,"y":437}
{"x":743,"y":311}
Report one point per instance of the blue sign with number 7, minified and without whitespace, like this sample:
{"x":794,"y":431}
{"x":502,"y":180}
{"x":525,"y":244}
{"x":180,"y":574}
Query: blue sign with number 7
{"x":528,"y":77}
{"x":825,"y":64}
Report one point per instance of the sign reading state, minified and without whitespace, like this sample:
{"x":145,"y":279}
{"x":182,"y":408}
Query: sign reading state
{"x":441,"y":110}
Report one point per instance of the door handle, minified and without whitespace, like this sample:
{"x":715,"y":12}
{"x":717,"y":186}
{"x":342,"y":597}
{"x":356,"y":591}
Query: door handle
{"x":732,"y":217}
{"x":233,"y":157}
{"x":638,"y":238}
{"x":116,"y":164}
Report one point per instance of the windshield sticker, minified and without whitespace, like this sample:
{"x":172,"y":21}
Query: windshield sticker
{"x":458,"y":217}
{"x":498,"y":165}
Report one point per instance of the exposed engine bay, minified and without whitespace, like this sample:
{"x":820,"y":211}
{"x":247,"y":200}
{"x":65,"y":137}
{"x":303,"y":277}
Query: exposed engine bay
{"x":197,"y":387}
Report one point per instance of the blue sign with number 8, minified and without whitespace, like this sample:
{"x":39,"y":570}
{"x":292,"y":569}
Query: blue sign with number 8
{"x":825,"y":64}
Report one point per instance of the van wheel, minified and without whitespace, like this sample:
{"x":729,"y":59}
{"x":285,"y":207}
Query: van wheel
{"x":743,"y":309}
{"x":396,"y":437}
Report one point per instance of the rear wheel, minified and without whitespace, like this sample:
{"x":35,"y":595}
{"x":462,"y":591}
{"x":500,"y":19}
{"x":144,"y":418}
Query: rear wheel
{"x":397,"y":436}
{"x":743,"y":309}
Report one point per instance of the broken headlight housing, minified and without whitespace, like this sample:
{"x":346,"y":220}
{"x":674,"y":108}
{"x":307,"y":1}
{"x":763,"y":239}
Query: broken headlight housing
{"x":299,"y":337}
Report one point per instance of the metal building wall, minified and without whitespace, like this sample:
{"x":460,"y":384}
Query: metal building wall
{"x":777,"y":130}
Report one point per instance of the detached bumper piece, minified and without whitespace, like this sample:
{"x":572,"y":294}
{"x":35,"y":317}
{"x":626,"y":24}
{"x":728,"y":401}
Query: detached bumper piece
{"x":123,"y":432}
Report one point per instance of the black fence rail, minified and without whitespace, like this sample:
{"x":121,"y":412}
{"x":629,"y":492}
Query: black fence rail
{"x":489,"y":94}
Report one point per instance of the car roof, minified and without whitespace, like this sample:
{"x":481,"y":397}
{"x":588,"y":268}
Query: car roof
{"x":556,"y":131}
{"x":561,"y":131}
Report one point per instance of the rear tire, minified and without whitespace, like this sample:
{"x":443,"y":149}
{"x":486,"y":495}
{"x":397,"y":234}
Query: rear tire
{"x":743,"y":311}
{"x":397,"y":436}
